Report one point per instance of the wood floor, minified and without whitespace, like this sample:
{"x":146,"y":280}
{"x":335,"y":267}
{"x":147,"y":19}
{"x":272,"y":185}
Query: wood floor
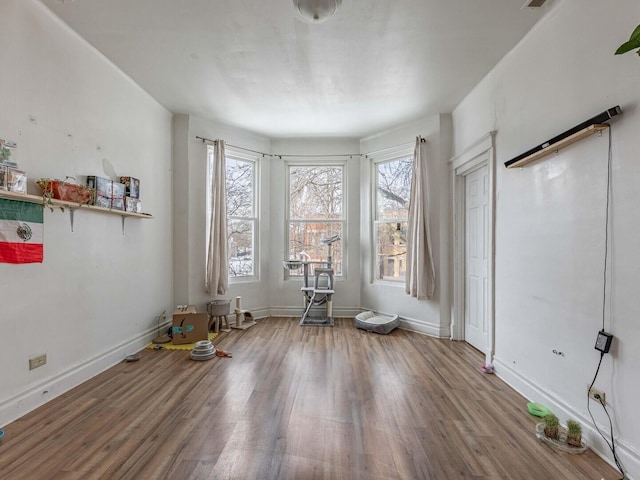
{"x":294,"y":402}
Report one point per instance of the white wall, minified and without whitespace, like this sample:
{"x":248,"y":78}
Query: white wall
{"x":550,"y":216}
{"x":190,"y":163}
{"x":427,"y":316}
{"x":95,"y":296}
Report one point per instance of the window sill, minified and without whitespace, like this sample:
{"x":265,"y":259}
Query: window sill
{"x":389,"y":283}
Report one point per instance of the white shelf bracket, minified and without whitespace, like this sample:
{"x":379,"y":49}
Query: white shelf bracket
{"x":71,"y":211}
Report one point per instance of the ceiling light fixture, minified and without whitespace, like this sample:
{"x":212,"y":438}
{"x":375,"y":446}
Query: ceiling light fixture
{"x":316,"y":11}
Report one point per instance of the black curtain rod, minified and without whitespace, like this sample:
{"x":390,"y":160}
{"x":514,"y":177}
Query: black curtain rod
{"x":233,"y":146}
{"x":350,"y":155}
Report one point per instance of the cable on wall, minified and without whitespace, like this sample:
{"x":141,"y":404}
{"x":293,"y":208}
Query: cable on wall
{"x":610,"y":443}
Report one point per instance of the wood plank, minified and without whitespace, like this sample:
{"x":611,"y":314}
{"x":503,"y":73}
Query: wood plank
{"x":585,"y":132}
{"x":293,"y":403}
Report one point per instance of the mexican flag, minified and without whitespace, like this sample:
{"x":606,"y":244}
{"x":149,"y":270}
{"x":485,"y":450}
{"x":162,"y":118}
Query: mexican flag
{"x":20,"y":232}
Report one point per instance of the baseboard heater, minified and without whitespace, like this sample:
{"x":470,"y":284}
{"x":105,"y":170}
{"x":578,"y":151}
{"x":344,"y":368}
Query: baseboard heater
{"x":573,"y":134}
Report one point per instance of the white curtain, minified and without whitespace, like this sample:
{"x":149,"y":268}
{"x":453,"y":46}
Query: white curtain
{"x":217,"y":259}
{"x":420,"y":277}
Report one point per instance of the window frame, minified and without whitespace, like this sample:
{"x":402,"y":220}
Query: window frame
{"x":392,"y":155}
{"x":342,"y":221}
{"x":254,"y":160}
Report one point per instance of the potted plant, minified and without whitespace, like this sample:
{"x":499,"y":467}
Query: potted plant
{"x":65,"y":190}
{"x":551,"y":424}
{"x":574,"y":433}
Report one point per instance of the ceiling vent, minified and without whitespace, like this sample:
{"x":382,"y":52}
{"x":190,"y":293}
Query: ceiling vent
{"x":534,"y":3}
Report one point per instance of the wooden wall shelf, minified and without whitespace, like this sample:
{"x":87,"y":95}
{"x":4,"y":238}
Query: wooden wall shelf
{"x":69,"y":205}
{"x":585,"y":132}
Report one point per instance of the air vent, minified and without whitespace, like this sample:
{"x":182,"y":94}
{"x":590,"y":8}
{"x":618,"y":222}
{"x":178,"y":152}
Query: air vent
{"x":534,"y":3}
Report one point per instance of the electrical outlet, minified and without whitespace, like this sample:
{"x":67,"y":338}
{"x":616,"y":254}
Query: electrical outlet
{"x":38,"y":361}
{"x":597,"y":395}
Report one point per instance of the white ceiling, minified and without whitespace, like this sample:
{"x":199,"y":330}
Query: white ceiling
{"x":252,"y":64}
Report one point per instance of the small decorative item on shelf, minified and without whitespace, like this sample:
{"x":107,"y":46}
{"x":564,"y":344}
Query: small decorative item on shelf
{"x":108,"y":194}
{"x":12,"y":179}
{"x":132,"y":187}
{"x":574,"y":433}
{"x":7,"y":153}
{"x":64,"y":190}
{"x":551,"y":424}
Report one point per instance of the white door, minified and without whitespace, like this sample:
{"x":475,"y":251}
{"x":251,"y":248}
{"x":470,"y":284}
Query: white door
{"x":477,"y":258}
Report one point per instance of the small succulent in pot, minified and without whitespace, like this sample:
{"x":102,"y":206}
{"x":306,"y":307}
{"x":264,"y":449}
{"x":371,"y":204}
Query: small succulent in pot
{"x":551,"y":424}
{"x":574,"y":433}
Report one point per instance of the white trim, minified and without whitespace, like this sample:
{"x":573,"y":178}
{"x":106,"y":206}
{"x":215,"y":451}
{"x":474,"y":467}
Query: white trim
{"x":254,"y":160}
{"x":629,"y":456}
{"x":430,"y":329}
{"x":391,"y":153}
{"x":477,"y":155}
{"x":342,"y":221}
{"x":15,"y":407}
{"x":394,"y":154}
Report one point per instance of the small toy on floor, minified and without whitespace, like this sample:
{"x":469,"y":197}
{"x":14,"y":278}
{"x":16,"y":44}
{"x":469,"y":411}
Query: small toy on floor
{"x":222,"y":353}
{"x":487,"y":368}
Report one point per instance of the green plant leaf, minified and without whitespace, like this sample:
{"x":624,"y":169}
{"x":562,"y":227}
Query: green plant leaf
{"x":628,"y":46}
{"x":636,"y":34}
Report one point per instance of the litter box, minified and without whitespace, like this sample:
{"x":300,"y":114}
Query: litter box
{"x":377,"y":322}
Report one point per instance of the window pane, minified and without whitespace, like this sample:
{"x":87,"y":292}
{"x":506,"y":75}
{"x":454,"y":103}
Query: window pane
{"x":239,"y":186}
{"x":240,"y":234}
{"x":391,"y":251}
{"x":393,"y":181}
{"x":304,"y":238}
{"x":315,"y":192}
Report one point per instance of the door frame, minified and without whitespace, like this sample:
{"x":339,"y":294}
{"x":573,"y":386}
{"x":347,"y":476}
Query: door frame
{"x":479,"y":154}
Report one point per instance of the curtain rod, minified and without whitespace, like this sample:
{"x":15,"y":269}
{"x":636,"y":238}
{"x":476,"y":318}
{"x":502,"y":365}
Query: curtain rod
{"x":234,"y":146}
{"x":350,"y":155}
{"x":280,"y":156}
{"x":408,"y":144}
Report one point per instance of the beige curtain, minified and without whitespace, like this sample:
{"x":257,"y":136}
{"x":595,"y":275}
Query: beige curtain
{"x":217,"y":279}
{"x":420,"y":278}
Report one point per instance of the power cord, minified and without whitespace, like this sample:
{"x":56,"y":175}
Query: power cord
{"x":611,"y":444}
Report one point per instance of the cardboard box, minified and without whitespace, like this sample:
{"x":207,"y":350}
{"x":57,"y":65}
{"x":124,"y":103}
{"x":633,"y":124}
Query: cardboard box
{"x":132,"y":186}
{"x":132,"y":205}
{"x":189,"y":326}
{"x":185,"y":309}
{"x":109,"y":194}
{"x":12,"y":179}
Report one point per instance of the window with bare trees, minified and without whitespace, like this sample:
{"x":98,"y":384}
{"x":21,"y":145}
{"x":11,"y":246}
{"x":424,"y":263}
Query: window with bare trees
{"x":391,"y":199}
{"x":242,"y":218}
{"x":316,"y":211}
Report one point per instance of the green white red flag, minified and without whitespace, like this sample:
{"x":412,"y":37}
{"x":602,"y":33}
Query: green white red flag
{"x":21,"y":232}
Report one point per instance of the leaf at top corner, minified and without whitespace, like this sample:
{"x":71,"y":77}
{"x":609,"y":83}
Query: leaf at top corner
{"x":627,"y":46}
{"x":636,"y":34}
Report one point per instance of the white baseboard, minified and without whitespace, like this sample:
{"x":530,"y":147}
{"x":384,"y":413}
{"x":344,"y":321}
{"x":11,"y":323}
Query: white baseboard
{"x":38,"y":394}
{"x":629,"y":456}
{"x":424,"y":328}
